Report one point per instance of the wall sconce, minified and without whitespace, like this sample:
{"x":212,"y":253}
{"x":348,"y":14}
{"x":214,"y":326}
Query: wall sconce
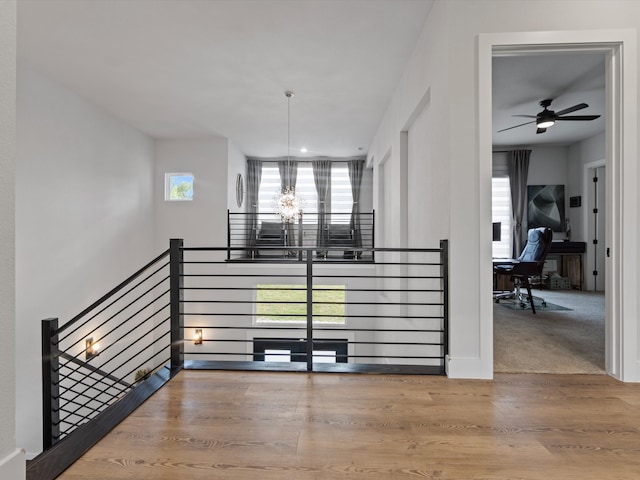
{"x":197,"y":338}
{"x":92,"y":349}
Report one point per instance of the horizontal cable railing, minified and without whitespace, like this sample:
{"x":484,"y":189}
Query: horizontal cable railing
{"x":193,"y":308}
{"x":93,"y":360}
{"x":390,"y":315}
{"x":335,"y":236}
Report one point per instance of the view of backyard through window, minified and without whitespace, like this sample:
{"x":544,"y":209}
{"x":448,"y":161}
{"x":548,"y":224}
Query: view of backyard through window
{"x":288,"y":303}
{"x":178,"y":186}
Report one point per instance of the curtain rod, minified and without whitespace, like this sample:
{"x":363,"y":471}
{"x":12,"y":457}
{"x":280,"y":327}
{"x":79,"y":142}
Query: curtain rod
{"x":310,"y":159}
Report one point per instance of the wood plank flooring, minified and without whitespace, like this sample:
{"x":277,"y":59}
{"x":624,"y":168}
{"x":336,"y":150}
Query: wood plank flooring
{"x":258,"y":425}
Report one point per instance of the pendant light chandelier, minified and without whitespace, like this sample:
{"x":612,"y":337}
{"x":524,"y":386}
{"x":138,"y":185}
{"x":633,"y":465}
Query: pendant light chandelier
{"x":287,"y":204}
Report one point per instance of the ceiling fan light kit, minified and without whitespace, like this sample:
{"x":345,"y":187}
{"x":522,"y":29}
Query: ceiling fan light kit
{"x":547,"y":118}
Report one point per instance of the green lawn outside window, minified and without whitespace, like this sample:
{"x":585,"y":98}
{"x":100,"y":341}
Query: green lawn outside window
{"x":288,"y":303}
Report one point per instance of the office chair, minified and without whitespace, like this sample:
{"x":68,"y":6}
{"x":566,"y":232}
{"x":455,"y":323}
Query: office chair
{"x":529,"y":264}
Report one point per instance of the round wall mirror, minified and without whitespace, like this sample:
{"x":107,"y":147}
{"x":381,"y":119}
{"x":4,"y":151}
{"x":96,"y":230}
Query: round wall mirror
{"x":239,"y":189}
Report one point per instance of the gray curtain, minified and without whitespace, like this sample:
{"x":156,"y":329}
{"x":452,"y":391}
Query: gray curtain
{"x":322,"y":179}
{"x":288,"y":174}
{"x":356,"y":168}
{"x":254,"y":177}
{"x":288,"y":177}
{"x":518,"y":164}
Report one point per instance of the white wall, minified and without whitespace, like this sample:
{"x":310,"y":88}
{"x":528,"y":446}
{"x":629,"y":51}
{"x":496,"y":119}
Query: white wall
{"x":445,"y":62}
{"x":203,"y":221}
{"x":84,"y":219}
{"x":237,"y":163}
{"x":12,"y":464}
{"x":590,"y":150}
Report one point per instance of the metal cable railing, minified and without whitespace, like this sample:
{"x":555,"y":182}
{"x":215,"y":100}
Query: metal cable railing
{"x":101,"y":354}
{"x":299,"y":313}
{"x":334,"y":236}
{"x":389,"y":315}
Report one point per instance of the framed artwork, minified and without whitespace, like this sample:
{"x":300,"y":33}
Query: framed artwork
{"x":545,"y":207}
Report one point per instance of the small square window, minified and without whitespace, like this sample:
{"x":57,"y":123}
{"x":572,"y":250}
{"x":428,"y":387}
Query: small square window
{"x":178,"y":186}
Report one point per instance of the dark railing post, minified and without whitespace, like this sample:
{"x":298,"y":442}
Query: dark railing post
{"x":228,"y":235}
{"x":309,"y":310}
{"x":373,"y":235}
{"x":176,"y":282}
{"x":444,"y":266}
{"x":50,"y":383}
{"x":300,"y":232}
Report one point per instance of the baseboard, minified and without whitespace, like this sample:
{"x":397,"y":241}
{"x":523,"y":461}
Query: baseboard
{"x":468,"y":367}
{"x":13,"y":466}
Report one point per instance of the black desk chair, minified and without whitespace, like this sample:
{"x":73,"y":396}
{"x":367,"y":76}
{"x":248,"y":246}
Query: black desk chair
{"x":529,"y":264}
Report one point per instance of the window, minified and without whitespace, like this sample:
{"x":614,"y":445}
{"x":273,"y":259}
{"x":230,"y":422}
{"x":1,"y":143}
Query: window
{"x":501,"y":212}
{"x":178,"y":186}
{"x":288,"y":304}
{"x":269,"y":189}
{"x":339,"y":203}
{"x":306,"y":192}
{"x":341,"y":196}
{"x":294,"y":350}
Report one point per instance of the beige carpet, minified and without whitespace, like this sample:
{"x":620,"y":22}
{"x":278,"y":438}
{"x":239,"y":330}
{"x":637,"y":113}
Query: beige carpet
{"x":551,"y":341}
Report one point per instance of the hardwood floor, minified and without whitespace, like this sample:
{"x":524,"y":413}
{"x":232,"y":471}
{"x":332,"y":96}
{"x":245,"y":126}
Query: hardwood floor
{"x":257,"y":425}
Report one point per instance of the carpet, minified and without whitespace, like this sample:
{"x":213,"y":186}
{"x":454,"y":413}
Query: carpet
{"x":569,"y":341}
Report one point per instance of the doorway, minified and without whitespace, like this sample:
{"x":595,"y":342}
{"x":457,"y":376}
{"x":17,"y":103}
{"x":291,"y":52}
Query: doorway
{"x":620,"y":152}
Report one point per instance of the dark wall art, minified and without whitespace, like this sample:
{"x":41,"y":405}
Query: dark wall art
{"x":545,"y":207}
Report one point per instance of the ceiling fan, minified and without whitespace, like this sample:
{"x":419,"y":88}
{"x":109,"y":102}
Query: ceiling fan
{"x":547,"y":118}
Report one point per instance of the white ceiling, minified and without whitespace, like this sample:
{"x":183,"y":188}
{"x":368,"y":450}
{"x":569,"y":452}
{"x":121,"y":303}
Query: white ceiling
{"x":521,"y":82}
{"x":194,"y":68}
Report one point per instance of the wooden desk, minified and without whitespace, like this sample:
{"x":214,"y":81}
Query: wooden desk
{"x":502,"y":283}
{"x":570,"y":256}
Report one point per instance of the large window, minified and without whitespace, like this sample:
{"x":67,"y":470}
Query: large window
{"x":269,"y":189}
{"x":340,"y":201}
{"x":306,"y":191}
{"x":501,"y":212}
{"x":341,"y":196}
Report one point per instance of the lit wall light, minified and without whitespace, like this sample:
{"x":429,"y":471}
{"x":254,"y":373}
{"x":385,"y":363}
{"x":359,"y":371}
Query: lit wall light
{"x":197,"y":338}
{"x":303,"y":150}
{"x":92,"y":349}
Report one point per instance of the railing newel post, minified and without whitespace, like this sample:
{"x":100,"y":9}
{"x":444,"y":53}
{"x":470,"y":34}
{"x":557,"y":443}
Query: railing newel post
{"x":176,"y":295}
{"x":309,"y":310}
{"x":228,"y":235}
{"x":50,"y":383}
{"x":444,"y":260}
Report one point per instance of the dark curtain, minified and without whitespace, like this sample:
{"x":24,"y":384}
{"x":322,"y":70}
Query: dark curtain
{"x":254,"y":177}
{"x":356,"y":169}
{"x":518,"y":164}
{"x":288,"y":177}
{"x":322,"y":179}
{"x":288,"y":174}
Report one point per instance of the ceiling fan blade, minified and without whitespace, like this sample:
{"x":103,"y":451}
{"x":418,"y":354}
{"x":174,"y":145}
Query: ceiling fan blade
{"x":579,"y":117}
{"x":580,"y":106}
{"x":515,"y":126}
{"x":525,"y":116}
{"x":541,"y":130}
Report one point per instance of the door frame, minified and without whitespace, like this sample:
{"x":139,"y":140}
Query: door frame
{"x":621,"y":269}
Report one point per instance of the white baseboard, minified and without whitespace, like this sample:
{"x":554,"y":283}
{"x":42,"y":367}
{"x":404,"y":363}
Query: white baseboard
{"x":13,"y":466}
{"x":465,"y":367}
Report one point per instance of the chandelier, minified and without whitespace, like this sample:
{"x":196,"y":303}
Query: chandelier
{"x":287,"y":204}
